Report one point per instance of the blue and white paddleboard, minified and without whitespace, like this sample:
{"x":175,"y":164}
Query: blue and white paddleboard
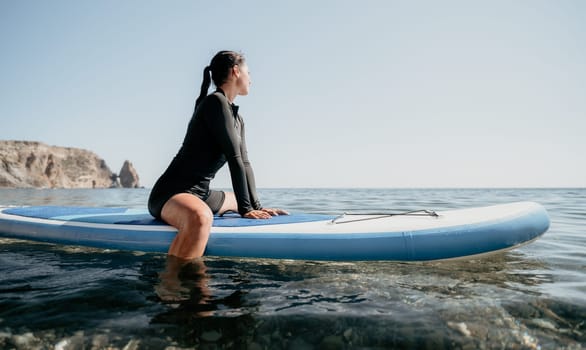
{"x":417,"y":237}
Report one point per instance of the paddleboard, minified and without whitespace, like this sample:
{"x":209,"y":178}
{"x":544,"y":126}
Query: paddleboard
{"x":414,"y":236}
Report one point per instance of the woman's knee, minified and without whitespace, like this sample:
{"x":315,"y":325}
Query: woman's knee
{"x":201,"y":216}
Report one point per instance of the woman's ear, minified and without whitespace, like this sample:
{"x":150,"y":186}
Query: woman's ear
{"x":236,"y":71}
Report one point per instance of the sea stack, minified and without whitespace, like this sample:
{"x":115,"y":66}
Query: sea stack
{"x":128,"y":176}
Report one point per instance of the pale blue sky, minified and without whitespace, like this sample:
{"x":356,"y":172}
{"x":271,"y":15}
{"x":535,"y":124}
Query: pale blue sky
{"x":344,"y":94}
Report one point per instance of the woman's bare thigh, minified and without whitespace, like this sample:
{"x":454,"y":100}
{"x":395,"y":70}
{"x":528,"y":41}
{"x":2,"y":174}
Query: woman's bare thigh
{"x":183,"y":207}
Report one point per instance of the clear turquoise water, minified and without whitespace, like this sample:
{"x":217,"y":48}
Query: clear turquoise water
{"x":529,"y":298}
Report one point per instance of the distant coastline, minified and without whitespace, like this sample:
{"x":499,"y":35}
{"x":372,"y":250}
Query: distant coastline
{"x":32,"y":164}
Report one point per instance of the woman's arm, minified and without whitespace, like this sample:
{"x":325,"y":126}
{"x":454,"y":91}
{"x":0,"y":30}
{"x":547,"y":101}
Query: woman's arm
{"x":255,"y":201}
{"x":221,"y":122}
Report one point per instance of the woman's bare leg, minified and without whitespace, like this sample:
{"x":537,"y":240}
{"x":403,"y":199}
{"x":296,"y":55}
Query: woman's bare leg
{"x":193,"y":219}
{"x":230,"y":203}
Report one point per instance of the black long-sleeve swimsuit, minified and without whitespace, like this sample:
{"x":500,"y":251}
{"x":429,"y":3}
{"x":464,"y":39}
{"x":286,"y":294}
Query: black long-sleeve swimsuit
{"x":215,"y":135}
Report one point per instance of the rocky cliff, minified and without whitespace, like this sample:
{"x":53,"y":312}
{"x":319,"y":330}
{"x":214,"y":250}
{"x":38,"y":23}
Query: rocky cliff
{"x":128,"y":176}
{"x":35,"y":164}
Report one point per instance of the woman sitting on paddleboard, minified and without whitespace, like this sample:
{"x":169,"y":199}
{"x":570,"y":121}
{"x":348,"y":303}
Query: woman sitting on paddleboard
{"x":181,"y":196}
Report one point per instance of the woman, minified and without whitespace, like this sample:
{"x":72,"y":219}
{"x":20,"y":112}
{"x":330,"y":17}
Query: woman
{"x":181,"y":196}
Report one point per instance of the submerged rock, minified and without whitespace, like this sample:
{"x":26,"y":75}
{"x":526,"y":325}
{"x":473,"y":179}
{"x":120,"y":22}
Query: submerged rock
{"x":211,"y":336}
{"x":26,"y":341}
{"x":332,"y":342}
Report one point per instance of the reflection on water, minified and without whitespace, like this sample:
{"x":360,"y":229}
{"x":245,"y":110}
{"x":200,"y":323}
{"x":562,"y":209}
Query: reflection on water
{"x":69,"y":297}
{"x":118,"y":297}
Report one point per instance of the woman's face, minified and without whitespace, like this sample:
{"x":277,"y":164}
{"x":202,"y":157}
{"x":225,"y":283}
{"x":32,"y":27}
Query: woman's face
{"x":242,"y":79}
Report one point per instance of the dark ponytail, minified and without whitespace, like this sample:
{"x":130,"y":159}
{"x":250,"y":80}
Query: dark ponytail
{"x":219,"y":69}
{"x":205,"y":86}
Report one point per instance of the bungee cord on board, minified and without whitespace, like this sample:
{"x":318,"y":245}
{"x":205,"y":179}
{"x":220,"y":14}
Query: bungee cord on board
{"x":421,"y":212}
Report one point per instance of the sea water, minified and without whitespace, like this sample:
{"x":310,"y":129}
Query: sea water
{"x":533,"y":297}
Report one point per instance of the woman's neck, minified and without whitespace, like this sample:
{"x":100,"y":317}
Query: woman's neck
{"x":230,"y":91}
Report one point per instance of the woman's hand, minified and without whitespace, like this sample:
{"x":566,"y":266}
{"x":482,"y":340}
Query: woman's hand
{"x":265,"y":213}
{"x":275,"y":211}
{"x":257,"y":214}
